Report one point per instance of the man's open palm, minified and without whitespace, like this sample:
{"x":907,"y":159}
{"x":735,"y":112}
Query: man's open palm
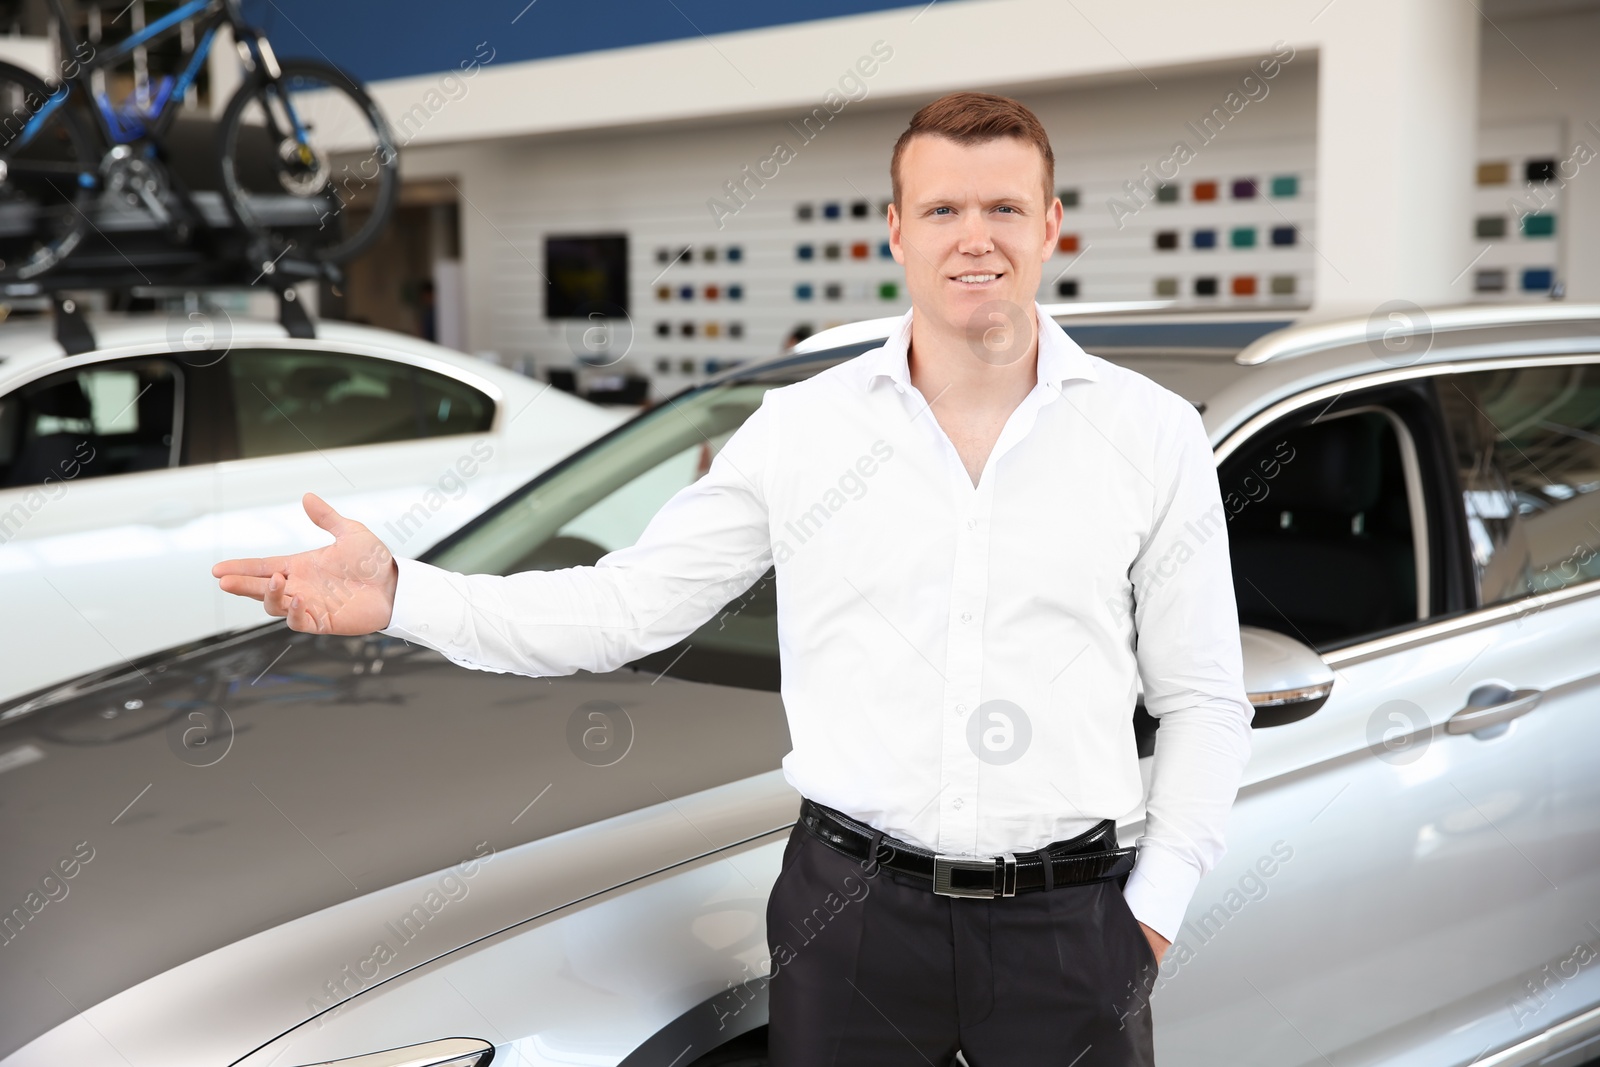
{"x":343,"y":588}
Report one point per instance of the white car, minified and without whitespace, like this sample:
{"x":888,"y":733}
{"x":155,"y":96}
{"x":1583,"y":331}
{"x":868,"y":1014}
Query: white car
{"x":128,"y":469}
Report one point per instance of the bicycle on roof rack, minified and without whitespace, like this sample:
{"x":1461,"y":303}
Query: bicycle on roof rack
{"x":66,"y":153}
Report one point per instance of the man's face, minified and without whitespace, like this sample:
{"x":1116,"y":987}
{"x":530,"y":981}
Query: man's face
{"x":972,"y":227}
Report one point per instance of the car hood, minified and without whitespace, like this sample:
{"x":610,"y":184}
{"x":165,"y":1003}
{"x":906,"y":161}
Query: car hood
{"x":153,"y":813}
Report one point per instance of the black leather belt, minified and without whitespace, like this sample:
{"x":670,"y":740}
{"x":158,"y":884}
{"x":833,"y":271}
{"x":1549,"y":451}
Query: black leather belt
{"x":1092,"y":856}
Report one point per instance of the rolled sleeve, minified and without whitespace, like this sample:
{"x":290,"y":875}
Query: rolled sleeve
{"x":1192,"y":672}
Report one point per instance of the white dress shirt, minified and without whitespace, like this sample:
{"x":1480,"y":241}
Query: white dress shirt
{"x":959,"y":663}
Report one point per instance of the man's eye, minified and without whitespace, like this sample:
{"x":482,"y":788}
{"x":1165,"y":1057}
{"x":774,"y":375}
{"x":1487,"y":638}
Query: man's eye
{"x":1006,"y":207}
{"x":937,"y":210}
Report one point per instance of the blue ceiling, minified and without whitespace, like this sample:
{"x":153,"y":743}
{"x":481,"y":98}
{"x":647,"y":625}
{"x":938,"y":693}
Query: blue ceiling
{"x":396,"y":38}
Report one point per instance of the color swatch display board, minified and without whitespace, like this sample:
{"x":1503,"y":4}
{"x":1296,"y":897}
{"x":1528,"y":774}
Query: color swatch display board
{"x":1230,"y":227}
{"x":1517,"y":231}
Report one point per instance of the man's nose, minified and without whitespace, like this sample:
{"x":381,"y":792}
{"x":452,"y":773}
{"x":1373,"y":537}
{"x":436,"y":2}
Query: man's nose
{"x":975,"y":239}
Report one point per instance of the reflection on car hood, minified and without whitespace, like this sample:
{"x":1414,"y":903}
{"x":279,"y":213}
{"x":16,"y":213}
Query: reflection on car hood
{"x":152,"y":814}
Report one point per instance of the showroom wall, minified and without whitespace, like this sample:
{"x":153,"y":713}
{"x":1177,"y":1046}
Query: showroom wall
{"x":1405,"y":179}
{"x":805,"y":247}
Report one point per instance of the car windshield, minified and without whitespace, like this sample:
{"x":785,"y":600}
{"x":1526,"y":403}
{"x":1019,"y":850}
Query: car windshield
{"x":604,"y":499}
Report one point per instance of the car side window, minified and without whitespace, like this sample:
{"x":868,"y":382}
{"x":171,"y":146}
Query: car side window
{"x":116,"y":417}
{"x":1527,"y":447}
{"x":604,"y":501}
{"x":293,"y":401}
{"x":1326,"y":532}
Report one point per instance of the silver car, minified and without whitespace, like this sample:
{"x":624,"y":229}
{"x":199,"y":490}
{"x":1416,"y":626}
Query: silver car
{"x":275,"y":848}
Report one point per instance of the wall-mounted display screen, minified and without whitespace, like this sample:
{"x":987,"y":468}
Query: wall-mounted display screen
{"x":585,"y":273}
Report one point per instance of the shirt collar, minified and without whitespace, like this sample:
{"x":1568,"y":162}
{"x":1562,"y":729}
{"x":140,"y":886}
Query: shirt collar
{"x":1060,"y":358}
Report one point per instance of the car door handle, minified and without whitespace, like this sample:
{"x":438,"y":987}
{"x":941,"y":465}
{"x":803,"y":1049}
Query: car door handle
{"x":1491,"y":705}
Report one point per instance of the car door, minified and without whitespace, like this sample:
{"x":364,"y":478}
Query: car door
{"x":1387,"y":881}
{"x":396,"y":446}
{"x":100,"y":478}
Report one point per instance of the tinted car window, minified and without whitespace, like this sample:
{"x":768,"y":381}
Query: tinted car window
{"x":1527,"y":445}
{"x":113,"y":418}
{"x":295,"y":401}
{"x":1321,"y":528}
{"x":604,"y":500}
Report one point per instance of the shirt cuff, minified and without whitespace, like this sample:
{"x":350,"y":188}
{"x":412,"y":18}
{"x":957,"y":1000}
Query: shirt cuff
{"x":1160,"y":888}
{"x":422,"y":597}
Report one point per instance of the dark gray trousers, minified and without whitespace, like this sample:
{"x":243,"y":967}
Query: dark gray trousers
{"x":871,"y":968}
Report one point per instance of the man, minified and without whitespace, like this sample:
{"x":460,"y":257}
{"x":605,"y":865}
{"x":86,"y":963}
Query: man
{"x":960,"y":638}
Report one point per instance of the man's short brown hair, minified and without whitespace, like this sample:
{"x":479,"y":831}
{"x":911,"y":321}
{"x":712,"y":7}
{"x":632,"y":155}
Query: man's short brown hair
{"x":974,"y":118}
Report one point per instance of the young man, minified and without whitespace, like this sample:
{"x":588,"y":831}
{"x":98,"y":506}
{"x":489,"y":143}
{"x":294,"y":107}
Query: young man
{"x":960,"y":643}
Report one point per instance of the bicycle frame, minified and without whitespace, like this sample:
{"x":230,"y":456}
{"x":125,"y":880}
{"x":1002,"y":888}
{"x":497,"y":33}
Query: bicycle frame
{"x":212,"y":15}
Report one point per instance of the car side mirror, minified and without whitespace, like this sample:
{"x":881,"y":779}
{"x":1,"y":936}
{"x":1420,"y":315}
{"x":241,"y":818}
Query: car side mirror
{"x":1285,"y":680}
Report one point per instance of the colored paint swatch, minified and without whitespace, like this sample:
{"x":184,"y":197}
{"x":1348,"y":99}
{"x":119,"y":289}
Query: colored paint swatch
{"x":1242,"y":237}
{"x":1069,"y":197}
{"x":833,"y":291}
{"x":1206,"y":286}
{"x":1067,"y":287}
{"x":1166,"y":194}
{"x":889,"y":291}
{"x":713,"y":329}
{"x":1285,"y":186}
{"x":859,"y":250}
{"x":1283,"y":285}
{"x":713,"y":292}
{"x":735,"y":253}
{"x":1166,"y":240}
{"x":830,"y":251}
{"x":708,"y":254}
{"x":1068,"y":243}
{"x":1489,"y":281}
{"x":686,"y":329}
{"x":1541,"y":225}
{"x":831,"y":211}
{"x":1244,"y":285}
{"x":1540,"y":170}
{"x":1283,"y":236}
{"x":860,"y":209}
{"x":804,"y":252}
{"x":1166,"y":287}
{"x":1205,"y":191}
{"x":1244,"y":189}
{"x":1490,"y":226}
{"x":686,"y":293}
{"x":735,"y":292}
{"x":663,"y":329}
{"x":1497,"y":173}
{"x":663,"y":292}
{"x":736,"y":330}
{"x":804,"y":212}
{"x":803,"y":291}
{"x":884,"y":251}
{"x":1205,"y":239}
{"x":1537,"y":279}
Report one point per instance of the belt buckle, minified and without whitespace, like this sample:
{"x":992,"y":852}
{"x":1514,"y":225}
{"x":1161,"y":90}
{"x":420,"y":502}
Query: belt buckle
{"x":1002,"y":871}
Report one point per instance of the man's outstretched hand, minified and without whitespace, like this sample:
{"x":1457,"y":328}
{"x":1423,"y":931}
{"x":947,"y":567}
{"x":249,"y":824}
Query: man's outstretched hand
{"x":343,"y":588}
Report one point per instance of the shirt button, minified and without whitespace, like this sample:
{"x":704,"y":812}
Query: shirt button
{"x":961,"y":709}
{"x":972,"y":524}
{"x":422,"y":626}
{"x":966,"y":616}
{"x":956,"y":804}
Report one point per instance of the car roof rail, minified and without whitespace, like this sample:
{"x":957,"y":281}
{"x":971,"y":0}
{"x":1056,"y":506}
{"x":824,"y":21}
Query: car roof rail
{"x":1406,"y":321}
{"x":879,"y":329}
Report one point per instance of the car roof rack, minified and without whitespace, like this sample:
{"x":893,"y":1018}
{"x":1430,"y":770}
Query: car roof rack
{"x":123,"y":254}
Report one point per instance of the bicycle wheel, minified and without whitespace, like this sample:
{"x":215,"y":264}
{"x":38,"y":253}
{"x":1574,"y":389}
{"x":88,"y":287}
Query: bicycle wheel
{"x":309,"y":149}
{"x":48,"y":175}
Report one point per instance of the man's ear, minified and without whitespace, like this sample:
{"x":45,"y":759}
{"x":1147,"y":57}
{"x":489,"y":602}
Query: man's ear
{"x":895,"y":248}
{"x":1052,"y":228}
